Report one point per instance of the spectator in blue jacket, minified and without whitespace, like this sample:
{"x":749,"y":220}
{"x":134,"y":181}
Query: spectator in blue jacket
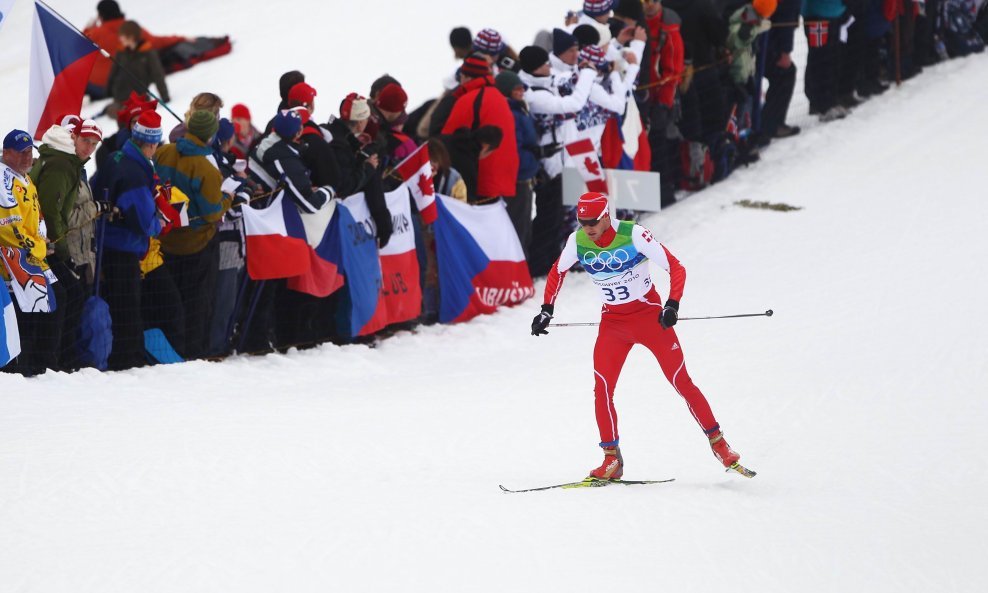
{"x":780,"y":71}
{"x":529,"y":152}
{"x":127,"y":180}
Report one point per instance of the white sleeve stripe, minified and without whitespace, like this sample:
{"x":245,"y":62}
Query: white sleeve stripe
{"x":301,"y":199}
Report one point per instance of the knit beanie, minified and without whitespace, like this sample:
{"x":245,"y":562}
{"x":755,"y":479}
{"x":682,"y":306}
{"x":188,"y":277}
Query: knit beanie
{"x":224,"y":131}
{"x":90,"y":129}
{"x":594,"y":54}
{"x":354,"y":108}
{"x":597,"y":7}
{"x":507,"y":81}
{"x":203,"y":125}
{"x":489,"y":42}
{"x":475,"y":66}
{"x":562,"y":41}
{"x":392,"y":98}
{"x":629,"y":9}
{"x":147,"y":128}
{"x":287,"y":124}
{"x":765,"y":8}
{"x":532,"y":58}
{"x":240,"y":111}
{"x":586,"y":35}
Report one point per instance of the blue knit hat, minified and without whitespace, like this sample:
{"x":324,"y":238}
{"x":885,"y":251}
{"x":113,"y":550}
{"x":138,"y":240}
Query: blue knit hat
{"x":287,"y":124}
{"x":225,"y":130}
{"x":147,"y":128}
{"x":562,"y":41}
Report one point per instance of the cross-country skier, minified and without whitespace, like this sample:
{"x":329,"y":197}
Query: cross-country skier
{"x":615,"y":254}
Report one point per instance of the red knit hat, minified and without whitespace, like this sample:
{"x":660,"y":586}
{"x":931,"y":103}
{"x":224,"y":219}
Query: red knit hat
{"x":301,"y":94}
{"x":476,"y":65}
{"x":392,"y":99}
{"x":90,"y":129}
{"x":354,"y":108}
{"x":240,"y":111}
{"x":147,"y":128}
{"x":70,"y":122}
{"x":592,"y":206}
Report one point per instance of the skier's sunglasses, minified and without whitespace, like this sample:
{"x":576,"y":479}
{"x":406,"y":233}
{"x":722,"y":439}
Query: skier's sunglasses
{"x":589,"y":221}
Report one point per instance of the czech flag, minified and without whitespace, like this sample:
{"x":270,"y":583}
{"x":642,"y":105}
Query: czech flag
{"x":416,"y":170}
{"x":352,"y":247}
{"x":61,"y":60}
{"x":481,"y":263}
{"x":10,"y":340}
{"x":399,"y":297}
{"x":283,"y":243}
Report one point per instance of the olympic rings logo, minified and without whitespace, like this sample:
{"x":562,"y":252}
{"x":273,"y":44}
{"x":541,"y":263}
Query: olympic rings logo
{"x":606,"y":260}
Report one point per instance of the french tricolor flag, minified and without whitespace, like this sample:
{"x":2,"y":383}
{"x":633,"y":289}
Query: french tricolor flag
{"x":481,"y":263}
{"x":416,"y":170}
{"x":61,"y":60}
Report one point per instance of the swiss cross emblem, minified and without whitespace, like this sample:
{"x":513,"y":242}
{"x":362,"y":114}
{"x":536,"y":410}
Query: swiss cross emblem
{"x":816,"y":33}
{"x":583,"y":209}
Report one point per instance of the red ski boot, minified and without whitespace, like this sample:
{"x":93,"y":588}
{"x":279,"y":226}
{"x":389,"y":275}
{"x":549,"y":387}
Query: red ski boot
{"x":613,"y":466}
{"x":723,"y":451}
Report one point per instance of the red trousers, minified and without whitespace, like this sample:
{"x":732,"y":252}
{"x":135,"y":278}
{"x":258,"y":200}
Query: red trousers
{"x":638,"y":323}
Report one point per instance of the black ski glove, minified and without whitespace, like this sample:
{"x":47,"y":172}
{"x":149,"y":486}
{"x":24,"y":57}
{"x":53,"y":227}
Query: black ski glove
{"x":670,"y":314}
{"x":541,"y":321}
{"x":384,"y":230}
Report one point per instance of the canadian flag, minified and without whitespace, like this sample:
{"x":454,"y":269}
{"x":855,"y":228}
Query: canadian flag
{"x":585,"y":156}
{"x":416,"y":170}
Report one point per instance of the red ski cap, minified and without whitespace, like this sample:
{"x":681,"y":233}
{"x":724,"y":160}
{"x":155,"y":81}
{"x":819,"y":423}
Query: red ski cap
{"x":592,"y":206}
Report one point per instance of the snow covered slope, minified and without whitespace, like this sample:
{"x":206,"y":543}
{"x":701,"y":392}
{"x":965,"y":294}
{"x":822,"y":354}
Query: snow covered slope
{"x":860,"y":403}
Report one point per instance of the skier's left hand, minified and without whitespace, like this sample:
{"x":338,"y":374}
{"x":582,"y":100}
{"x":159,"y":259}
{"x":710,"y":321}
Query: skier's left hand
{"x":670,"y":314}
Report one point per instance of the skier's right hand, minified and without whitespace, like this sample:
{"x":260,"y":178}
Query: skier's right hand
{"x":541,"y":321}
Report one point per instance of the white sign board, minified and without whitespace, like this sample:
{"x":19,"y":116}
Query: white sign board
{"x":633,"y":190}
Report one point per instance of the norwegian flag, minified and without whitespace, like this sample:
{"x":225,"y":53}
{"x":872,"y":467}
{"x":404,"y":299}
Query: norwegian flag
{"x":585,"y":156}
{"x":817,"y":32}
{"x":416,"y":170}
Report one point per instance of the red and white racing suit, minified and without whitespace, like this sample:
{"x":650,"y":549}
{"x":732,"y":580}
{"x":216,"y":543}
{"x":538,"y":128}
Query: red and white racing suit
{"x":630,"y":321}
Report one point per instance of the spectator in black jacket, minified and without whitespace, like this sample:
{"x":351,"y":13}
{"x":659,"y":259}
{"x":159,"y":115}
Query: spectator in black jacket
{"x":279,"y":155}
{"x":780,"y":72}
{"x":358,"y":168}
{"x":316,"y":152}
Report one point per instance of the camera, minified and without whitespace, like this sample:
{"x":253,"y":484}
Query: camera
{"x":506,"y":63}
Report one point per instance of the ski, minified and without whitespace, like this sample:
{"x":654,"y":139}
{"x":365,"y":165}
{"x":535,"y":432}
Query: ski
{"x":589,"y":482}
{"x":742,"y":470}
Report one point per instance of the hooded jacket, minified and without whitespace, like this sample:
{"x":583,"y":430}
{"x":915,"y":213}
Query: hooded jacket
{"x":128,"y":180}
{"x":479,"y":103}
{"x":57,"y":174}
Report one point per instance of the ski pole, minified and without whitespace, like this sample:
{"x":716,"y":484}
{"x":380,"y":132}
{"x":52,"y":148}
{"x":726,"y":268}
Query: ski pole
{"x":768,"y":313}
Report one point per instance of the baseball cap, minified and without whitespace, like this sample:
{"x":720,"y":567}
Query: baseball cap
{"x":18,"y":140}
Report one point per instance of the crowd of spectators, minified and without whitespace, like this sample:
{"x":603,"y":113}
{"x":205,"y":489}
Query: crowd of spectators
{"x":160,"y":223}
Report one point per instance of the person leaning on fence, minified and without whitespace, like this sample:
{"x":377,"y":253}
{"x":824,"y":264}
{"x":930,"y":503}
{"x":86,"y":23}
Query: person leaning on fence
{"x":60,"y":176}
{"x":780,"y":72}
{"x":553,"y":103}
{"x":527,"y":141}
{"x":191,"y":253}
{"x":22,"y":227}
{"x":128,"y":181}
{"x":479,"y":104}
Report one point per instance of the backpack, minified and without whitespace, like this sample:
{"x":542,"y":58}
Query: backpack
{"x":697,"y":165}
{"x":959,"y":33}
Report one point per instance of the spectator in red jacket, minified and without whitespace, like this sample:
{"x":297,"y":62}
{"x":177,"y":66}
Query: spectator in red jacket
{"x":479,"y":103}
{"x":104,"y":32}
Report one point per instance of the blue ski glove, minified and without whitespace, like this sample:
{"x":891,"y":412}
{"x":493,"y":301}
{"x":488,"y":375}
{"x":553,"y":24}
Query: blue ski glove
{"x":670,"y":314}
{"x":541,"y":321}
